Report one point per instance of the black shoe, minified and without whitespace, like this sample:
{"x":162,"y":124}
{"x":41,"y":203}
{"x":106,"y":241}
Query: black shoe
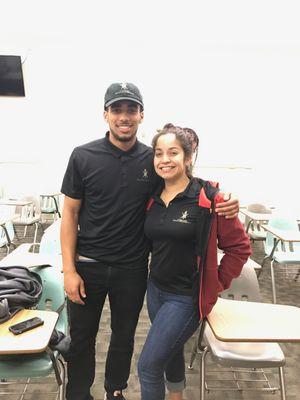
{"x":110,"y":396}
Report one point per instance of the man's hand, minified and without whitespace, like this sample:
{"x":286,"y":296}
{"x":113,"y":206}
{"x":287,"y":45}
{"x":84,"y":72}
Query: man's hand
{"x":74,"y":287}
{"x":230,"y":207}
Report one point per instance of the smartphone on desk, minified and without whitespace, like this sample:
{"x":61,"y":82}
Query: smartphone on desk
{"x":25,"y":326}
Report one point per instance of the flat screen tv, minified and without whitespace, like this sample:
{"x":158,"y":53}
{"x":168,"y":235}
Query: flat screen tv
{"x":11,"y":76}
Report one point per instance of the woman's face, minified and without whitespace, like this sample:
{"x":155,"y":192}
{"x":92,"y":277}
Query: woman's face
{"x":169,"y":158}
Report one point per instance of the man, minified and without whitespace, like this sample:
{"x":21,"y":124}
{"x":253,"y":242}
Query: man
{"x":107,"y":185}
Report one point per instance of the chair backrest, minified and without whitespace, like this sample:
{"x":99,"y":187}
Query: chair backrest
{"x":33,"y":210}
{"x":259,"y":208}
{"x":6,"y":213}
{"x":48,"y":203}
{"x":3,"y":237}
{"x":255,"y":226}
{"x":285,"y":224}
{"x":245,"y":287}
{"x":9,"y":231}
{"x":53,"y":295}
{"x":50,"y":241}
{"x":50,"y":246}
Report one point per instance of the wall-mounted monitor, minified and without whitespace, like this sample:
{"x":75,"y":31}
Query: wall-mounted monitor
{"x":11,"y":76}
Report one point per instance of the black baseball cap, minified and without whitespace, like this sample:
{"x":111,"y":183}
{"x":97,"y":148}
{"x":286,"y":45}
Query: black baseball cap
{"x":122,"y":91}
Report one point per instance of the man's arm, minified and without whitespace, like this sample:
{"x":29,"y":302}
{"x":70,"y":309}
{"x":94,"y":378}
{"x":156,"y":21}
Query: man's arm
{"x":73,"y":283}
{"x":230,"y":208}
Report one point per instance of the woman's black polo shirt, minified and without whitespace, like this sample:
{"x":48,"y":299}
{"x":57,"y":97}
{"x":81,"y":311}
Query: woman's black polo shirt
{"x":172,"y":231}
{"x":114,"y":186}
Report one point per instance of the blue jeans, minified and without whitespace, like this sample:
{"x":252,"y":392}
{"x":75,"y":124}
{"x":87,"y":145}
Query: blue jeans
{"x":174,"y":319}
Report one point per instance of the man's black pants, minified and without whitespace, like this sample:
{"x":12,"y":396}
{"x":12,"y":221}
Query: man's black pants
{"x":125,"y":289}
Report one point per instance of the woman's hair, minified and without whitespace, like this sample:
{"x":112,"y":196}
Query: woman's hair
{"x":195,"y":141}
{"x":192,"y":135}
{"x":185,"y":136}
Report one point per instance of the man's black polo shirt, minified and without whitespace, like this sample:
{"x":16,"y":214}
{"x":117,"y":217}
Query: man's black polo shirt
{"x":114,"y":187}
{"x":172,"y":231}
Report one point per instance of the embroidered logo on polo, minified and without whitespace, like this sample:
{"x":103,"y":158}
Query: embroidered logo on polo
{"x":183,"y":218}
{"x":144,"y":177}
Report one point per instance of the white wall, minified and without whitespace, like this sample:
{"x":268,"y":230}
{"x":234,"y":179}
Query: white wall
{"x":228,"y":69}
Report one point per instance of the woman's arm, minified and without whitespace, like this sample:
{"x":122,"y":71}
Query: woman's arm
{"x":235,"y":243}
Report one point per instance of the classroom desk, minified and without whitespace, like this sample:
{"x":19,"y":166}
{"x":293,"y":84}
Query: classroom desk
{"x":33,"y":341}
{"x":53,"y":230}
{"x":13,"y":202}
{"x":13,"y":219}
{"x":50,"y":194}
{"x":253,"y":216}
{"x":22,"y":256}
{"x":283,"y":235}
{"x":245,"y":321}
{"x":3,"y":221}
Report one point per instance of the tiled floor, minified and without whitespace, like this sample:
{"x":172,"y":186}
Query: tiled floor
{"x":288,"y":293}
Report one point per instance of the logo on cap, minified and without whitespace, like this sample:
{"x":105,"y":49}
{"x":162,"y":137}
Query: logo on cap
{"x":124,"y":86}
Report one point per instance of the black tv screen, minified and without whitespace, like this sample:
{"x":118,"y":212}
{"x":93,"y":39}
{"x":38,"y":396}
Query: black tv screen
{"x":11,"y":76}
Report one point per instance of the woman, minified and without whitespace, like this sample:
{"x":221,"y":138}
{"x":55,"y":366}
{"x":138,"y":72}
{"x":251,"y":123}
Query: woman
{"x":184,"y":279}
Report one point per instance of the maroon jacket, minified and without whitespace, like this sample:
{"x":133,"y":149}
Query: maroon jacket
{"x":226,"y":234}
{"x":212,"y":232}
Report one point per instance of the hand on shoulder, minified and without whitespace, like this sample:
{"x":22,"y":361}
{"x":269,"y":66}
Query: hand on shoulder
{"x":230,"y":207}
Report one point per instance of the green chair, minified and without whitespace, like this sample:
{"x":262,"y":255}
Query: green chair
{"x":282,"y":253}
{"x":26,"y":366}
{"x":4,"y":238}
{"x":50,"y":204}
{"x":7,"y":234}
{"x":7,"y":231}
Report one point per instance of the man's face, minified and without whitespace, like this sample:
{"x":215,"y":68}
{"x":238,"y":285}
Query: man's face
{"x":123,"y":118}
